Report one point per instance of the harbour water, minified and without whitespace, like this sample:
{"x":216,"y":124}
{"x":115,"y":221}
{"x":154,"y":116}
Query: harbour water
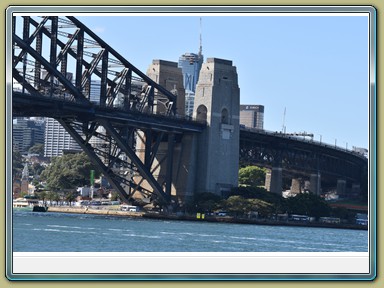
{"x":61,"y":232}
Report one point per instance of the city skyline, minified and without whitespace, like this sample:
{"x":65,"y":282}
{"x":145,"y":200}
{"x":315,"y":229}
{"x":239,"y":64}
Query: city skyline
{"x":309,"y":72}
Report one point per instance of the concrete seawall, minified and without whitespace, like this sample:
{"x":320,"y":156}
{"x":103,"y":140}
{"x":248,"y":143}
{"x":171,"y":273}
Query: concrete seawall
{"x":85,"y":210}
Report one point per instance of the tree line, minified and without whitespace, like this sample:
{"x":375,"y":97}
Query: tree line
{"x":252,"y":198}
{"x":67,"y":172}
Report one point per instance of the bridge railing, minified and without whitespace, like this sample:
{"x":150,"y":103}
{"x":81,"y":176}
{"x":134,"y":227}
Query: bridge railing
{"x":301,"y":139}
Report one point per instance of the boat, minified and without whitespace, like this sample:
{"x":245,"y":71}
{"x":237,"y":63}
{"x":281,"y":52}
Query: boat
{"x":39,"y":209}
{"x":28,"y":204}
{"x":24,"y":202}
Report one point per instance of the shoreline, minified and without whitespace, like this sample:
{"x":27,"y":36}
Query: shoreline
{"x":146,"y":215}
{"x":86,"y":210}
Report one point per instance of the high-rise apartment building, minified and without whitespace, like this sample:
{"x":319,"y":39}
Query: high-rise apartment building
{"x":94,"y":95}
{"x":27,"y":132}
{"x":57,"y":139}
{"x":252,"y":116}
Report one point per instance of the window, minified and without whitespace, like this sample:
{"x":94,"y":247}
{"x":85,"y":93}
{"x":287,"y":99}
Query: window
{"x":224,"y":116}
{"x":201,"y":113}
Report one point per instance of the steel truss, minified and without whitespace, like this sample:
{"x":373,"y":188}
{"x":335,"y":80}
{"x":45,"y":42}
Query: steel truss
{"x":62,"y":69}
{"x":300,"y":158}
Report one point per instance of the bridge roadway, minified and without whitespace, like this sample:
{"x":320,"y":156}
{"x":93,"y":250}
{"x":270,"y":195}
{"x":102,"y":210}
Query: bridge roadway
{"x":300,"y":157}
{"x":297,"y":156}
{"x":27,"y":105}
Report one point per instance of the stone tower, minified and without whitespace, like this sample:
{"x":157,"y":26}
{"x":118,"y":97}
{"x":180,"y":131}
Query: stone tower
{"x":175,"y":154}
{"x":217,"y":101}
{"x":168,"y":75}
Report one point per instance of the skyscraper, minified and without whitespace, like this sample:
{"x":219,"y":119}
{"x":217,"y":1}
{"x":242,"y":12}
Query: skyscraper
{"x":190,"y":64}
{"x":252,"y":116}
{"x":27,"y":132}
{"x":57,"y":139}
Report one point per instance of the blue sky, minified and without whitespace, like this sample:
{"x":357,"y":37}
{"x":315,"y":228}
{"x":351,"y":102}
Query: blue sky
{"x":314,"y":67}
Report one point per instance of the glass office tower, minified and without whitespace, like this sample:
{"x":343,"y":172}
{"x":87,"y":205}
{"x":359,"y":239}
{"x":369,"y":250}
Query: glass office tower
{"x":190,"y":64}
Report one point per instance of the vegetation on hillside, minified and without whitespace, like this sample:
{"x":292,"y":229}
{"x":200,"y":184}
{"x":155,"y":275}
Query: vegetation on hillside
{"x":37,"y":149}
{"x":251,"y":198}
{"x":68,"y":172}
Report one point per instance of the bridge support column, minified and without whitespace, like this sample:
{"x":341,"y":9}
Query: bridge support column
{"x":276,"y":180}
{"x":175,"y":161}
{"x":341,"y":187}
{"x":315,"y":184}
{"x":217,"y":101}
{"x":168,"y":176}
{"x":355,"y":190}
{"x":307,"y":185}
{"x":296,"y":186}
{"x":267,"y":183}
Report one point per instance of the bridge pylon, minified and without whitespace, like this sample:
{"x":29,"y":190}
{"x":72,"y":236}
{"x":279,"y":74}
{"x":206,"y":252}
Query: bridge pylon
{"x":173,"y":164}
{"x":315,"y":183}
{"x":217,"y":101}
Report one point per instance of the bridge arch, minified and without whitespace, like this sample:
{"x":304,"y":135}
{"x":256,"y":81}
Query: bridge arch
{"x":201,"y":113}
{"x":224,"y":116}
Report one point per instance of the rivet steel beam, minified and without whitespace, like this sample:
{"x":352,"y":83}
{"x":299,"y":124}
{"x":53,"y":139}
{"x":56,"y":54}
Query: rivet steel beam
{"x":144,"y":171}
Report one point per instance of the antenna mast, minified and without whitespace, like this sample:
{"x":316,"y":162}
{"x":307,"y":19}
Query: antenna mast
{"x":284,"y":128}
{"x":201,"y":42}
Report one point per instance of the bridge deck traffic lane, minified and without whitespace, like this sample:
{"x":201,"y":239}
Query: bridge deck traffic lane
{"x":31,"y":105}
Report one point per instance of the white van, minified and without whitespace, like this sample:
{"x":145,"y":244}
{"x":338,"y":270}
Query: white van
{"x":129,"y":208}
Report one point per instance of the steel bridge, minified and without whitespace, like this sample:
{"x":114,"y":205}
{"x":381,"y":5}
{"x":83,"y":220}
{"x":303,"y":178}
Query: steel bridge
{"x":56,"y":65}
{"x":128,"y":100}
{"x":299,"y":157}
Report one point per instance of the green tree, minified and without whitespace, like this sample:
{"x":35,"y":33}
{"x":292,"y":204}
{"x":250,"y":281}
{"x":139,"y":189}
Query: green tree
{"x":42,"y":196}
{"x":340,"y":212}
{"x":240,"y":206}
{"x":36,"y":169}
{"x":256,"y":193}
{"x":71,"y":197}
{"x":37,"y":149}
{"x":237,"y":205}
{"x":115,"y":196}
{"x":206,"y":202}
{"x":308,"y":204}
{"x":252,"y":175}
{"x":50,"y":196}
{"x":68,"y":172}
{"x":264,"y":208}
